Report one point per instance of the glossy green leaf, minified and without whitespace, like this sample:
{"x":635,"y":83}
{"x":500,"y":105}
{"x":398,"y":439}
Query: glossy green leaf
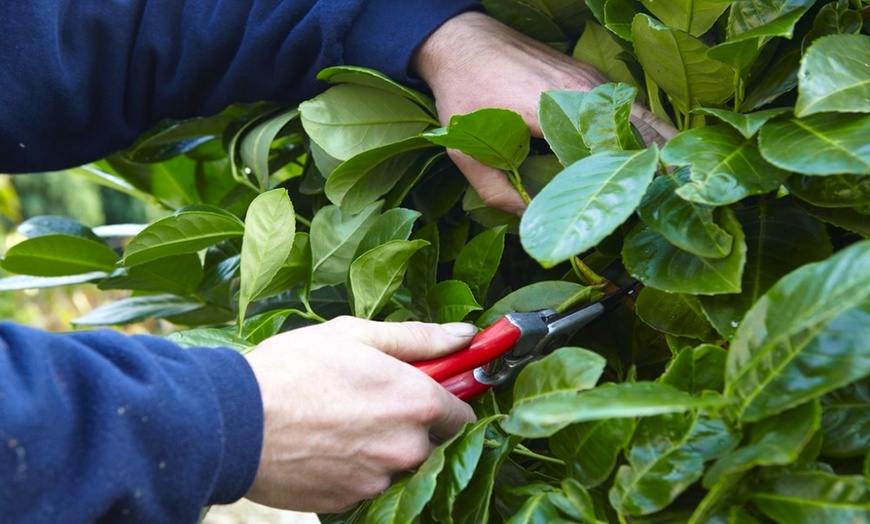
{"x":529,"y":18}
{"x":450,"y":301}
{"x":495,"y":137}
{"x":673,"y":313}
{"x":590,"y":448}
{"x":810,"y":497}
{"x":258,"y":328}
{"x":367,"y":176}
{"x":698,"y":369}
{"x":256,"y":145}
{"x":780,"y":237}
{"x":422,"y":270}
{"x":723,"y":503}
{"x":537,"y":508}
{"x":846,"y":421}
{"x":22,"y":282}
{"x":184,"y":232}
{"x":804,"y":337}
{"x":833,"y":190}
{"x":575,"y":501}
{"x":559,"y":114}
{"x":598,"y":48}
{"x":549,"y":294}
{"x":334,"y":239}
{"x":821,"y":144}
{"x":678,"y":63}
{"x":135,"y":309}
{"x":54,"y":225}
{"x":477,"y":262}
{"x":393,"y":224}
{"x":692,"y":16}
{"x":57,"y":255}
{"x":845,"y":218}
{"x":178,"y":275}
{"x":618,"y":15}
{"x":474,"y":501}
{"x":545,"y":415}
{"x":568,"y":369}
{"x":667,"y":456}
{"x":835,"y":76}
{"x":368,"y":77}
{"x":604,"y":118}
{"x":775,"y":441}
{"x":585,"y":203}
{"x":209,"y":338}
{"x":650,"y":258}
{"x":747,"y":124}
{"x":375,"y":275}
{"x":348,"y":119}
{"x":177,"y":138}
{"x":685,"y":224}
{"x":296,"y":269}
{"x":725,"y":166}
{"x":270,"y":226}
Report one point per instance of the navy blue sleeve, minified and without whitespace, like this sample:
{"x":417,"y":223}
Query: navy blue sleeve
{"x":100,"y":426}
{"x":80,"y":79}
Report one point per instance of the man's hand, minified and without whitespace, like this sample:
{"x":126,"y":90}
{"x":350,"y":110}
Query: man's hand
{"x":344,"y":413}
{"x":473,"y":61}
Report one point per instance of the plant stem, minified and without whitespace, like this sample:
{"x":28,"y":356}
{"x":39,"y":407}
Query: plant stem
{"x":526,"y":452}
{"x":585,"y":272}
{"x":304,"y":221}
{"x":517,"y":182}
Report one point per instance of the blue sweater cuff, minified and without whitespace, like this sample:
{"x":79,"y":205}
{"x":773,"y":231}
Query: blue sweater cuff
{"x":386,"y":33}
{"x":241,"y":409}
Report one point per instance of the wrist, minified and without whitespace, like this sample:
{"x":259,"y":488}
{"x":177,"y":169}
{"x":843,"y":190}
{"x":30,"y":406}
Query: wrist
{"x":447,"y":46}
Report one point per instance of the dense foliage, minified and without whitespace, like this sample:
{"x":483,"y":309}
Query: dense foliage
{"x":733,"y":389}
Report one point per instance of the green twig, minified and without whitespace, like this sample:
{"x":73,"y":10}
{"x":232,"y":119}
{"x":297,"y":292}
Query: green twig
{"x":586,"y":274}
{"x":526,"y":452}
{"x":517,"y":182}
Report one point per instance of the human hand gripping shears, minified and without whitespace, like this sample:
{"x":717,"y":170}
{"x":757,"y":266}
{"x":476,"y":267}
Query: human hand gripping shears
{"x":497,"y":354}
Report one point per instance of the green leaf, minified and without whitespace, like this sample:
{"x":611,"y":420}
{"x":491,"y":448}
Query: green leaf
{"x":548,"y":294}
{"x":775,"y":441}
{"x":598,"y":48}
{"x":650,"y":258}
{"x":496,"y":137}
{"x":367,"y":77}
{"x":832,"y":191}
{"x":135,"y":309}
{"x":543,"y":416}
{"x":366,"y":177}
{"x":725,"y":166}
{"x":422,"y":270}
{"x":780,"y":238}
{"x":846,"y":421}
{"x":57,"y":255}
{"x":821,"y":144}
{"x":177,"y":138}
{"x":178,"y":275}
{"x":842,"y":217}
{"x":678,"y":63}
{"x":698,"y":369}
{"x":393,"y":224}
{"x":348,"y":119}
{"x":22,"y":282}
{"x":568,"y":369}
{"x":667,"y":456}
{"x":618,"y":15}
{"x":296,"y":269}
{"x":673,"y":313}
{"x":590,"y":448}
{"x":208,"y":338}
{"x":477,"y":262}
{"x":184,"y":232}
{"x":692,"y":16}
{"x":258,"y":328}
{"x":334,"y":239}
{"x":747,"y":124}
{"x":54,"y":225}
{"x":604,"y":118}
{"x":375,"y":276}
{"x":450,"y":301}
{"x":559,"y":115}
{"x":256,"y":145}
{"x":810,"y":497}
{"x":585,"y":203}
{"x":537,"y":508}
{"x":806,"y":336}
{"x":270,"y":226}
{"x":685,"y":224}
{"x":835,"y":76}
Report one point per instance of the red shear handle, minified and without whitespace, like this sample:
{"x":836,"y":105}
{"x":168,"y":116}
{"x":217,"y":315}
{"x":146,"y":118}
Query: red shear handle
{"x":465,"y":386}
{"x":487,"y":345}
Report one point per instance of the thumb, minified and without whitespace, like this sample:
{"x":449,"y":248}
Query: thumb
{"x":491,"y":184}
{"x":408,"y":341}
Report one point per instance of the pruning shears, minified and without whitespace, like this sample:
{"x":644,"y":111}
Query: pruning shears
{"x":497,"y":354}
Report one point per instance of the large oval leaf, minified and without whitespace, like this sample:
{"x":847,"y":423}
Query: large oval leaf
{"x":493,"y":136}
{"x":650,"y":258}
{"x":835,"y":76}
{"x":599,"y":48}
{"x":450,"y":301}
{"x":548,"y":294}
{"x":822,"y":144}
{"x":375,"y":276}
{"x":585,"y":203}
{"x":833,"y":190}
{"x":348,"y":119}
{"x":566,"y":369}
{"x":49,"y":224}
{"x":368,"y":77}
{"x":673,"y":313}
{"x":559,"y":114}
{"x":57,"y":255}
{"x":806,"y":336}
{"x":692,"y":16}
{"x":810,"y":497}
{"x":591,"y":448}
{"x":178,"y":275}
{"x":184,"y":232}
{"x":334,"y":239}
{"x":477,"y":262}
{"x":135,"y":309}
{"x":846,"y":421}
{"x":605,"y":114}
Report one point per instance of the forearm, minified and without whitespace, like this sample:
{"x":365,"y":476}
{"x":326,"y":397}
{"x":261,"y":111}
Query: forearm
{"x":98,"y":425}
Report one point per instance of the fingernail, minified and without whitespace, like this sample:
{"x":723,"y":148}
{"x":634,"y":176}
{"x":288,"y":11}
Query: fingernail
{"x":460,"y":329}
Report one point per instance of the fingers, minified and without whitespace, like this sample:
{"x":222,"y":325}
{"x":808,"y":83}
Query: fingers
{"x":406,"y":341}
{"x":491,"y":184}
{"x":651,"y":128}
{"x":454,"y":416}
